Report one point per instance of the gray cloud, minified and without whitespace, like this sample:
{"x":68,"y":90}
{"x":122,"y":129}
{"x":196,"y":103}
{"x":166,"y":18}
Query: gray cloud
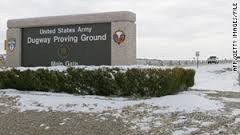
{"x":171,"y":29}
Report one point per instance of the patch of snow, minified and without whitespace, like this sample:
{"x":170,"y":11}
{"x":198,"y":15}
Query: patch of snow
{"x":206,"y":134}
{"x":118,"y":114}
{"x":157,"y":124}
{"x":185,"y":101}
{"x":218,"y":131}
{"x":236,"y":112}
{"x":133,"y":127}
{"x":231,"y":99}
{"x":63,"y":102}
{"x":2,"y":104}
{"x":61,"y":123}
{"x":40,"y":101}
{"x":103,"y":118}
{"x":178,"y":132}
{"x":216,"y":77}
{"x":185,"y":131}
{"x":64,"y":68}
{"x":210,"y":92}
{"x":42,"y":125}
{"x":66,"y":119}
{"x":206,"y":124}
{"x":179,"y":121}
{"x":47,"y":127}
{"x":237,"y":120}
{"x":144,"y":123}
{"x":143,"y":126}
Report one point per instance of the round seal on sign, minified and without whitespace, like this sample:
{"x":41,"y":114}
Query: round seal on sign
{"x":119,"y":37}
{"x":11,"y":44}
{"x":63,"y":51}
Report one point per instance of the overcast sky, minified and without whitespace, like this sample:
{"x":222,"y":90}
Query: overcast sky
{"x":172,"y":29}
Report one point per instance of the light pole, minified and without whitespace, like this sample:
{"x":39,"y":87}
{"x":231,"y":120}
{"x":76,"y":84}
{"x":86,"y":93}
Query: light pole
{"x":197,"y":55}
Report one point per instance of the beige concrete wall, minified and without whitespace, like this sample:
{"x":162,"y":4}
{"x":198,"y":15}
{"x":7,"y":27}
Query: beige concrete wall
{"x":14,"y":57}
{"x":125,"y":53}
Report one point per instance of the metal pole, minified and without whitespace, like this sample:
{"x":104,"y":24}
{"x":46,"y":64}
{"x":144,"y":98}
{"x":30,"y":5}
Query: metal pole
{"x":197,"y":62}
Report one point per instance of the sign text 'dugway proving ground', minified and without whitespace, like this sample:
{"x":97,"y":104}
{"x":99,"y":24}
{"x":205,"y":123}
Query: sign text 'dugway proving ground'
{"x":88,"y":44}
{"x":91,"y":39}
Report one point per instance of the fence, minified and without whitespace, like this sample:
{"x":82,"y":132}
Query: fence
{"x":156,"y":62}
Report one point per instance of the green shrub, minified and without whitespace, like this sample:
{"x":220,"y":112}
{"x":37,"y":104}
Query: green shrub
{"x":103,"y":81}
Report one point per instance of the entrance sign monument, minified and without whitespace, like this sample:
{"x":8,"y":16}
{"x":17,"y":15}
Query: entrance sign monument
{"x":86,"y":39}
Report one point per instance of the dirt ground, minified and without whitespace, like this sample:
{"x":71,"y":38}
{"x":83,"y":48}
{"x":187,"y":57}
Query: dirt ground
{"x":225,"y":122}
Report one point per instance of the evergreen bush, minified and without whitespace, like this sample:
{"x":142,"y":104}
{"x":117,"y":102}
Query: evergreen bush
{"x":103,"y":81}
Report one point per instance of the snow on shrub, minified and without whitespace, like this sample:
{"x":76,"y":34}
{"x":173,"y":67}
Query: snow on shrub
{"x":103,"y":81}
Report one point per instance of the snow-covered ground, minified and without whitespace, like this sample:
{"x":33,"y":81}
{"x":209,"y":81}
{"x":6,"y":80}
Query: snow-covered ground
{"x":216,"y":77}
{"x":148,"y":109}
{"x":210,"y":78}
{"x":41,"y":101}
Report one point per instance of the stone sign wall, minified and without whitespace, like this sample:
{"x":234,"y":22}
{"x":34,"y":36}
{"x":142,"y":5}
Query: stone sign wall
{"x":89,"y":39}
